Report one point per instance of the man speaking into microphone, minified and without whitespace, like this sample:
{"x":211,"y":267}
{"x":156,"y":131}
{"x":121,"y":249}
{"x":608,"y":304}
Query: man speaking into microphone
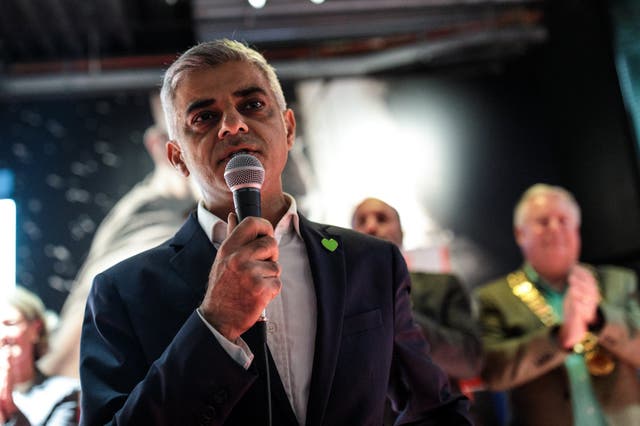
{"x":169,"y":336}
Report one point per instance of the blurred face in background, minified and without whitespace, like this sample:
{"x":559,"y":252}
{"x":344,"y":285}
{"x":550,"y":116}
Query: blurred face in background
{"x":377,"y":218}
{"x":18,"y":337}
{"x":549,"y":236}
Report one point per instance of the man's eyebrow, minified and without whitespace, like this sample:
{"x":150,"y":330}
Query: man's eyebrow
{"x":249,"y":91}
{"x":200,"y":104}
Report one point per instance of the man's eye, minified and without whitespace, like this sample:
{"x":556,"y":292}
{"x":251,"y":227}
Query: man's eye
{"x":203,"y":117}
{"x":253,"y":105}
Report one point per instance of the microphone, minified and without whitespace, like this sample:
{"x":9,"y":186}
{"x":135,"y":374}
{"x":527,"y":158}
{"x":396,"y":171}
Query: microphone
{"x":244,"y":175}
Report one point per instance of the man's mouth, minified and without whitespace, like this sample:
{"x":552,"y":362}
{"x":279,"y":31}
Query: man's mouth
{"x":232,"y":153}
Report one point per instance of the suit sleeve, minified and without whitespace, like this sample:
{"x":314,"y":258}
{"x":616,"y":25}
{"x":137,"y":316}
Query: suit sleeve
{"x":442,"y":307}
{"x":194,"y":380}
{"x":621,"y":313}
{"x":516,"y":349}
{"x":419,"y":389}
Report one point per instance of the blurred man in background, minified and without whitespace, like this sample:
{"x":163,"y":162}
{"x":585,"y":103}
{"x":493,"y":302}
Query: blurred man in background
{"x":143,"y":218}
{"x":560,"y":335}
{"x":441,"y":304}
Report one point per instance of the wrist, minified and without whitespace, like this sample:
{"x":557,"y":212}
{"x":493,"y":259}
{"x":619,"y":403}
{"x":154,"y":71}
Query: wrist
{"x":570,"y":336}
{"x":598,"y":323}
{"x":225,"y":331}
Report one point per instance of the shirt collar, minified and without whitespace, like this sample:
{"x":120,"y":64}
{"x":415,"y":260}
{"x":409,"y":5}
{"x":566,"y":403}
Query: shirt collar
{"x":536,"y":279}
{"x":216,"y":229}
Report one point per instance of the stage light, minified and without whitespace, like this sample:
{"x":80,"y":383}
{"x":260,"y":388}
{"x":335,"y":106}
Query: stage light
{"x":7,"y":246}
{"x":257,"y":4}
{"x":317,"y":1}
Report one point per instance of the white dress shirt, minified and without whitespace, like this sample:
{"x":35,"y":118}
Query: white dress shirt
{"x":291,"y":315}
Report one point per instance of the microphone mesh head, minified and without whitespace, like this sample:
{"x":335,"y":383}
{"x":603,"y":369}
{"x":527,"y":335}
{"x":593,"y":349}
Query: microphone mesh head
{"x":244,"y":171}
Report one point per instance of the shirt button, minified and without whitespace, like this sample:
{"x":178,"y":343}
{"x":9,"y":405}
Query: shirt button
{"x":271,"y":327}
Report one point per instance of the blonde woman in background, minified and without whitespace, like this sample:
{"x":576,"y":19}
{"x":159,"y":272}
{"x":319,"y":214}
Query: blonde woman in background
{"x":27,"y":397}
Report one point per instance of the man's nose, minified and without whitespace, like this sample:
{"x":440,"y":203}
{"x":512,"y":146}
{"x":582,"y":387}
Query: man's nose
{"x":231,"y":124}
{"x":555,"y":224}
{"x":371,"y":227}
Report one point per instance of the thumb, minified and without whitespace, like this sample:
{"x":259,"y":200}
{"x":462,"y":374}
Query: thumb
{"x":232,"y":222}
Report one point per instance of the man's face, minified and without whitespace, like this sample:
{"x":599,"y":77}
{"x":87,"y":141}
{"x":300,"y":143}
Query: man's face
{"x":550,"y":236}
{"x":374,"y":217}
{"x":221,"y":111}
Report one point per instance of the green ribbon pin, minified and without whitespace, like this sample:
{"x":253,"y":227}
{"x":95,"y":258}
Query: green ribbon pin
{"x":330,"y":244}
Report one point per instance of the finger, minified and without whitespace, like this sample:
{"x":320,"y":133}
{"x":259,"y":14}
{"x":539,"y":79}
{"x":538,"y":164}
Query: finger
{"x":270,"y":269}
{"x":580,"y":270}
{"x":267,"y":286}
{"x":584,"y":285}
{"x":261,"y":249}
{"x":232,"y":222}
{"x":582,"y":277}
{"x":264,"y":248}
{"x":274,"y":287}
{"x":248,"y":230}
{"x":591,"y":295}
{"x":577,"y":297}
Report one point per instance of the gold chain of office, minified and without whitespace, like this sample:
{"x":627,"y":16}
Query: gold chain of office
{"x":598,"y":361}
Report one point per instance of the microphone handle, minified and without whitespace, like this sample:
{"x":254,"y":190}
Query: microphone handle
{"x":247,"y":203}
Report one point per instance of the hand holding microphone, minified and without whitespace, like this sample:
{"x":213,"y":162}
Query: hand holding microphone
{"x":245,"y":275}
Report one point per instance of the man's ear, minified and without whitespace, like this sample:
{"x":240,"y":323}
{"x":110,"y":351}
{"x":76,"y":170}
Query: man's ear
{"x":517,"y":233}
{"x":290,"y":125}
{"x":174,"y":154}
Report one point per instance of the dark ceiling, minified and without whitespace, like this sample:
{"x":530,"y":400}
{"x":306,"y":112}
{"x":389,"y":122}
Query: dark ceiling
{"x":66,"y":46}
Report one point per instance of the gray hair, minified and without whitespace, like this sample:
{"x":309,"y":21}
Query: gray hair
{"x":32,"y":309}
{"x":211,"y":54}
{"x":543,"y":189}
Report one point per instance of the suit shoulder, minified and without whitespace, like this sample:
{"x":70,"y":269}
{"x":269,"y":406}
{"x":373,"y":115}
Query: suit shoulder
{"x":160,"y":253}
{"x":610,"y":274}
{"x":492,"y":288}
{"x":444,"y":277}
{"x":616,"y":270}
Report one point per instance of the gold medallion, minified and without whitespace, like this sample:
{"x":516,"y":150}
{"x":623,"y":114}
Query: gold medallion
{"x":599,"y":362}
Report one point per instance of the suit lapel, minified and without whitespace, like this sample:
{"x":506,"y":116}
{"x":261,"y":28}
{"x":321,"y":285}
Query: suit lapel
{"x":329,"y":279}
{"x":194,"y":257}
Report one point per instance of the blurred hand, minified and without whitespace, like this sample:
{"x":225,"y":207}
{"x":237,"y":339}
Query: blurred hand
{"x":580,"y":306}
{"x":244,"y":278}
{"x":7,"y":406}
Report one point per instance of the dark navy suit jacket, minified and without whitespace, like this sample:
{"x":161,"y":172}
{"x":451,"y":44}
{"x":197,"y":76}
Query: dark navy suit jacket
{"x":147,"y":357}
